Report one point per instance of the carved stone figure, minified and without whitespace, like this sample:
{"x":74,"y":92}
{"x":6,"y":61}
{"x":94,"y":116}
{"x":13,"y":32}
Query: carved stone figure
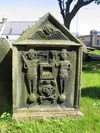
{"x":30,"y":64}
{"x":48,"y":30}
{"x":48,"y":33}
{"x":47,"y":91}
{"x":64,"y":68}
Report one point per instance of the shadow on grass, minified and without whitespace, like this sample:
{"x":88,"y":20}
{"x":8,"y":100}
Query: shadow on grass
{"x":91,"y":67}
{"x":92,"y":92}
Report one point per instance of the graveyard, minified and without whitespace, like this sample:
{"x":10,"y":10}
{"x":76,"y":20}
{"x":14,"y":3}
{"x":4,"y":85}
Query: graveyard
{"x":89,"y":106}
{"x":45,"y":86}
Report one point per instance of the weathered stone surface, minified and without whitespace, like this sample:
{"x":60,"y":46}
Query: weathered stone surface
{"x":5,"y":75}
{"x":5,"y":47}
{"x":43,"y":114}
{"x":46,"y":71}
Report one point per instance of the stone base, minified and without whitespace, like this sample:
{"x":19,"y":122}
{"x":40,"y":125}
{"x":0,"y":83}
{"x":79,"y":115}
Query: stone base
{"x":43,"y":114}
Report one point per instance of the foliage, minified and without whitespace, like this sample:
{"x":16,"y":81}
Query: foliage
{"x":5,"y":116}
{"x":68,"y":11}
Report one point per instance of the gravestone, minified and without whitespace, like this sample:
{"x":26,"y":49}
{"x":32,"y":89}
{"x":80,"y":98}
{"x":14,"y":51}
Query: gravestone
{"x":46,"y":71}
{"x":5,"y":76}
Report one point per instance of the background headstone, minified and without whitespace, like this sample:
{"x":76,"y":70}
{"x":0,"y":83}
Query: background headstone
{"x":5,"y":76}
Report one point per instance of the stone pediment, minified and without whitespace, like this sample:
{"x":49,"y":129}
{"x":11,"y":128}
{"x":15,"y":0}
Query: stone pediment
{"x":48,"y":32}
{"x":46,"y":29}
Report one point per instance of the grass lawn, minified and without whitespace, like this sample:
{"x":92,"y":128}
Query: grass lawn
{"x":89,"y":106}
{"x":95,"y":52}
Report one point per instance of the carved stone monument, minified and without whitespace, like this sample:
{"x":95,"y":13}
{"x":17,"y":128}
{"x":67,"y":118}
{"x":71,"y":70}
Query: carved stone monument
{"x":46,"y":71}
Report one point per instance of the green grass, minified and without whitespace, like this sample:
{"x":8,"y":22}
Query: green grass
{"x":95,"y":52}
{"x":89,"y":106}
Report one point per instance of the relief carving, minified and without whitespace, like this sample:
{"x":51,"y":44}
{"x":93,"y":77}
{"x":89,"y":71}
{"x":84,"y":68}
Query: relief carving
{"x":64,"y":67}
{"x":47,"y":91}
{"x":48,"y":32}
{"x":47,"y":75}
{"x":30,"y":64}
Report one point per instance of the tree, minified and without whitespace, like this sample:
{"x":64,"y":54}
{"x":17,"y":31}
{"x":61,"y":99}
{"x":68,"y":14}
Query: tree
{"x":68,"y":13}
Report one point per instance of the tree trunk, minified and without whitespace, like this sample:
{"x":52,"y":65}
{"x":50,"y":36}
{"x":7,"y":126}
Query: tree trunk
{"x":65,"y":9}
{"x":67,"y":22}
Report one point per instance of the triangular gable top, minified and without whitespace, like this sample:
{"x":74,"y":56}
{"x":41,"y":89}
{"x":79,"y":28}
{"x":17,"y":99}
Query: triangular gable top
{"x":47,"y":31}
